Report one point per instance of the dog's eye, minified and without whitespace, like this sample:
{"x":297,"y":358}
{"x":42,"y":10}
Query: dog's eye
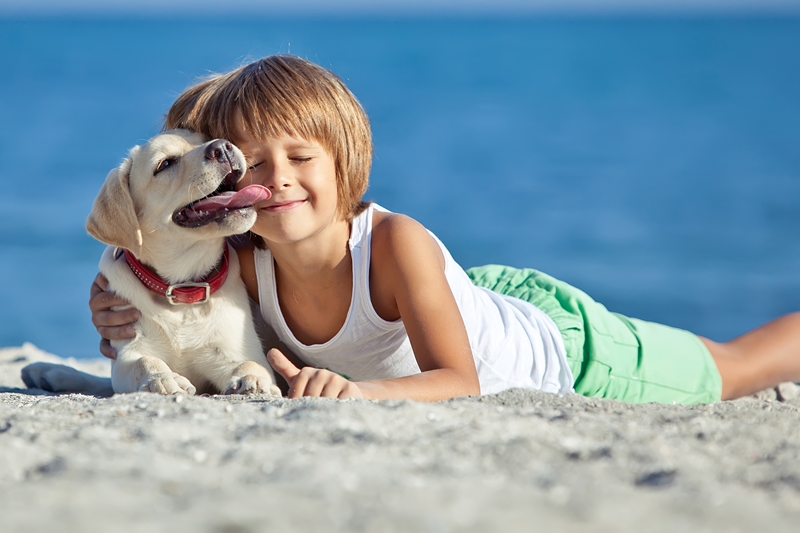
{"x":168,"y":162}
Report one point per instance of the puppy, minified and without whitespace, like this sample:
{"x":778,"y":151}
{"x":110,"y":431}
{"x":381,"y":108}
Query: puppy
{"x":165,"y":212}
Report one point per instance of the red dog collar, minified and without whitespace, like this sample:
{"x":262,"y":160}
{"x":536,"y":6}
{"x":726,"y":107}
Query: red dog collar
{"x":193,"y":292}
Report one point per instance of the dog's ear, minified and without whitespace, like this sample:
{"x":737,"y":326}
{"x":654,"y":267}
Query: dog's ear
{"x":113,"y":218}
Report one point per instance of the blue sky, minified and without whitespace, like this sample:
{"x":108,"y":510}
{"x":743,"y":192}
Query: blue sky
{"x":411,"y":7}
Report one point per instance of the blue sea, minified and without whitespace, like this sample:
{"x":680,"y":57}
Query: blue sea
{"x":652,"y":162}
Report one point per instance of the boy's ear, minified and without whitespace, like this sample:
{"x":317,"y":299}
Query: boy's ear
{"x":113,"y":218}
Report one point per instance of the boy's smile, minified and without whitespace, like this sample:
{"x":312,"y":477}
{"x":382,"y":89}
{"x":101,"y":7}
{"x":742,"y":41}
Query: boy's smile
{"x":280,"y":207}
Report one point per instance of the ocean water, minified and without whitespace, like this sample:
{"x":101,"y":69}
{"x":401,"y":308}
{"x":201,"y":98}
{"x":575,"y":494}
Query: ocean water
{"x":654,"y":163}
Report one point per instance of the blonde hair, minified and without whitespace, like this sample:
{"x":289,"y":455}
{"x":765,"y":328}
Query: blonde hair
{"x":286,"y":95}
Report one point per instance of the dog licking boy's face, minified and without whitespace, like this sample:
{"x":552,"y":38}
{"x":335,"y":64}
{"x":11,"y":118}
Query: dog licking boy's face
{"x":177,"y":183}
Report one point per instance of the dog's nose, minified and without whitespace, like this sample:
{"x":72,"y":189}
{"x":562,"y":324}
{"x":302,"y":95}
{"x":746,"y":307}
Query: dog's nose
{"x":219,"y":150}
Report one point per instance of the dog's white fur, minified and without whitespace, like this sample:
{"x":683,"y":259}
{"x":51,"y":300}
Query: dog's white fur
{"x":209,"y":347}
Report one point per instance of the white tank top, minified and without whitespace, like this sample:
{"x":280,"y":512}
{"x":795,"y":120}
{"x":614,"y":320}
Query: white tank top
{"x":514,"y":344}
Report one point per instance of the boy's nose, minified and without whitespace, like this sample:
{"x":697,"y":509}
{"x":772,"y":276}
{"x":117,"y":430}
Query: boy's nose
{"x":274,"y":175}
{"x":219,"y":150}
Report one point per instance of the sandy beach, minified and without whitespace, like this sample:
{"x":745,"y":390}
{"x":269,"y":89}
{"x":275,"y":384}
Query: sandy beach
{"x":516,"y":461}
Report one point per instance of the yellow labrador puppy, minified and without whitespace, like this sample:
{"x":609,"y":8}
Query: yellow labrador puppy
{"x":165,"y":212}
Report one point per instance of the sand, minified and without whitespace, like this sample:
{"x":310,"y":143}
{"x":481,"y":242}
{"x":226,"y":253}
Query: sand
{"x":516,"y":461}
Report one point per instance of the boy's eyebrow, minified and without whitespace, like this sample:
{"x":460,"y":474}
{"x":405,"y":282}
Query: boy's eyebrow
{"x":306,"y":145}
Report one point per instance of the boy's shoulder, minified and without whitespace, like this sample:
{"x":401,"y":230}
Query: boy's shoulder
{"x":396,"y":236}
{"x":388,"y":226}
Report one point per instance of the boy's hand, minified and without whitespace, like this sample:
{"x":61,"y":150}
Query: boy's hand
{"x":310,"y":381}
{"x":115,"y":325}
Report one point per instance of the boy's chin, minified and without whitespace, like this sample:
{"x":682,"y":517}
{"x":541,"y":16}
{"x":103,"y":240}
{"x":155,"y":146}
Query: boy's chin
{"x":305,"y":232}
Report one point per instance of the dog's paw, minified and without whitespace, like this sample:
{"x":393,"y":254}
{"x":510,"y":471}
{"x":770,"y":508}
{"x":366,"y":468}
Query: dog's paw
{"x":252,"y":384}
{"x":168,"y":383}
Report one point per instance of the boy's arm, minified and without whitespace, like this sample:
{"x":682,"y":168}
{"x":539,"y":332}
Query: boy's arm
{"x":407,"y":278}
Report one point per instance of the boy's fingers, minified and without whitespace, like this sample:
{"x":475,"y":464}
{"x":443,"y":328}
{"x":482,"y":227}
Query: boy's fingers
{"x":104,"y":300}
{"x":282,"y":365}
{"x":333,"y":389}
{"x":100,"y":284}
{"x":117,"y":333}
{"x":317,"y":384}
{"x":299,"y":385}
{"x":115,"y":319}
{"x":107,"y":350}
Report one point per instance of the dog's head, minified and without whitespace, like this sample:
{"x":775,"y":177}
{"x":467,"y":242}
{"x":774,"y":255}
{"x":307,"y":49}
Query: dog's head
{"x":177,"y":184}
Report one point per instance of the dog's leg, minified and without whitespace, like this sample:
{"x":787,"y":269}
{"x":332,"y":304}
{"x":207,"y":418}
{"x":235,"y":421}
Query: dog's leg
{"x":65,"y":379}
{"x":251,"y":378}
{"x":148,"y":374}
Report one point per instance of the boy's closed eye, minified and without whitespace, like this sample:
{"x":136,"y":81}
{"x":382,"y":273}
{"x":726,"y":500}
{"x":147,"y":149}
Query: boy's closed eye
{"x":294,"y":159}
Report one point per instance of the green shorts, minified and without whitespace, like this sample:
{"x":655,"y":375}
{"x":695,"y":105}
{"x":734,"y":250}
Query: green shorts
{"x":612,"y":356}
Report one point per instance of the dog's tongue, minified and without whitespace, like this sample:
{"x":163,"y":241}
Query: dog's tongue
{"x":246,"y":197}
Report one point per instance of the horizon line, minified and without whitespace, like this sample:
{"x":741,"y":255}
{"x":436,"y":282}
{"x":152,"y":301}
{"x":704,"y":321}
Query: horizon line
{"x":405,"y":8}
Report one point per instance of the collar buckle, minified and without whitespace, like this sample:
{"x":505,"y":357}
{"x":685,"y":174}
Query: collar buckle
{"x":171,"y":295}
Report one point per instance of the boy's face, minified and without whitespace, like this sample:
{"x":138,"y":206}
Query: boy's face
{"x":301,"y":176}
